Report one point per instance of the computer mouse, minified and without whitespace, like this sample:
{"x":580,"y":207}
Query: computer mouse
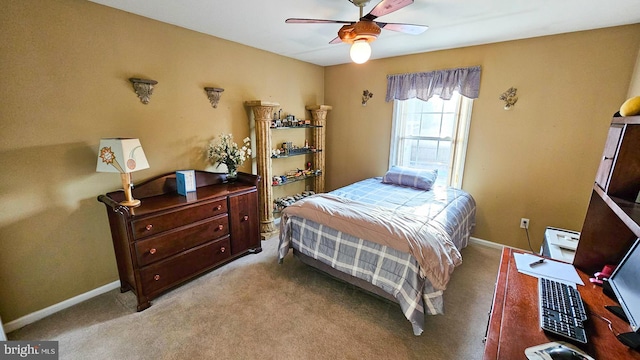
{"x":564,"y":353}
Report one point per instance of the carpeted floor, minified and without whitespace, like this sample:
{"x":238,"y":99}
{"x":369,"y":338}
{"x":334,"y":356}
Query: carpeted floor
{"x":254,"y":308}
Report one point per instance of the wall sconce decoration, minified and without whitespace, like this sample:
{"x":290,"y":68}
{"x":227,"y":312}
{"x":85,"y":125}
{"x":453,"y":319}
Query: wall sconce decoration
{"x":509,"y":97}
{"x":366,"y":95}
{"x":143,"y":88}
{"x":124,"y":156}
{"x":214,"y":95}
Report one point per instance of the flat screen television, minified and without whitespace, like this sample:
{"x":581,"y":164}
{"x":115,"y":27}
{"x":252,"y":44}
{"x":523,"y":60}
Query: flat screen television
{"x":625,"y":282}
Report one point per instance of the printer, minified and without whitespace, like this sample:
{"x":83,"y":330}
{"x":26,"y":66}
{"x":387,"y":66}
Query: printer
{"x":560,"y":244}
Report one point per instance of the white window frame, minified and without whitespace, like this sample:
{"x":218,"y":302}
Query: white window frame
{"x":459,"y":140}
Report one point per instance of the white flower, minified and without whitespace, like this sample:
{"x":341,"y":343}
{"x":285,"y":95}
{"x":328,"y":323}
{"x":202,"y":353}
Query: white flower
{"x":227,"y":152}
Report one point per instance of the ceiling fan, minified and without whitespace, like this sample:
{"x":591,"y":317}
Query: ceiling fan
{"x":360,"y":33}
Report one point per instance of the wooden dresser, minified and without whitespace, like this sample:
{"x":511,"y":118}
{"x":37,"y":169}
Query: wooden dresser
{"x":171,"y":238}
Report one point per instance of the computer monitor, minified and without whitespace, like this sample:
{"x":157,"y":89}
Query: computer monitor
{"x":626,"y":285}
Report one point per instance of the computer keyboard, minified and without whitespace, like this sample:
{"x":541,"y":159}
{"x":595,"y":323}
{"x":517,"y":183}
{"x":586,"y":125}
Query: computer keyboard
{"x":561,"y":310}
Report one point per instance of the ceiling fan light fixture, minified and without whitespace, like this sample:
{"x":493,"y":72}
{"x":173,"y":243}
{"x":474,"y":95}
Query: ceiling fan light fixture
{"x":360,"y":51}
{"x":366,"y":29}
{"x":346,"y":34}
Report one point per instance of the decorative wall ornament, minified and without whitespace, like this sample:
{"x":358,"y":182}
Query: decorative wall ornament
{"x":143,"y":88}
{"x":509,"y":97}
{"x":214,"y":95}
{"x":366,"y":95}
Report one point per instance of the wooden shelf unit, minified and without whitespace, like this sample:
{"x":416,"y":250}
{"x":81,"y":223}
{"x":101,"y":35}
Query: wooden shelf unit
{"x":262,"y":112}
{"x":612,"y":222}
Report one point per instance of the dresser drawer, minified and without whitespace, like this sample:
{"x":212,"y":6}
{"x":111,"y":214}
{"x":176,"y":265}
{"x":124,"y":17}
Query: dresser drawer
{"x":174,"y":241}
{"x":157,"y":224}
{"x":164,"y":274}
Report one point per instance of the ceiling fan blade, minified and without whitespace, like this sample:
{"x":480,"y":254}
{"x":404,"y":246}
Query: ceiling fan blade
{"x":315,"y":21}
{"x":403,"y":28}
{"x":385,"y":7}
{"x":337,"y":40}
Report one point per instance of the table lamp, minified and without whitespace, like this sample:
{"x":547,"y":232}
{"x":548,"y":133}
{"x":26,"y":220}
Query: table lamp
{"x":124,"y":156}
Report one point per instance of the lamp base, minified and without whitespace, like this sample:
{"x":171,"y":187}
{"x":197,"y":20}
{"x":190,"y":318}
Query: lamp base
{"x":131,"y":203}
{"x":126,"y":185}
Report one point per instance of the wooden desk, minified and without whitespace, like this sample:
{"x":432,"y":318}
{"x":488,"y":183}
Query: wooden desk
{"x":514,"y":323}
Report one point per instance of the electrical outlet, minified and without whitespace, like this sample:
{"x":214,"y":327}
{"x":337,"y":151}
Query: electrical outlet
{"x":524,"y":223}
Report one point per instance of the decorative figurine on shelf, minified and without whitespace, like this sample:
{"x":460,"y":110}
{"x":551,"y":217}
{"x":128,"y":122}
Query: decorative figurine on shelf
{"x":227,"y":152}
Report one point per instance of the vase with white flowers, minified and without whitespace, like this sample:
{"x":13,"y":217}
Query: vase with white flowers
{"x":226,"y":151}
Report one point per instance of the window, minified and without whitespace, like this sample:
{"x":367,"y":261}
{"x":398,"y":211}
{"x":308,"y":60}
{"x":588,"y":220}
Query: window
{"x":432,"y":135}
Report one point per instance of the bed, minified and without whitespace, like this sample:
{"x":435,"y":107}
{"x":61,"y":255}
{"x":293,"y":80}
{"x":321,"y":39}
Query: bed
{"x":390,"y":238}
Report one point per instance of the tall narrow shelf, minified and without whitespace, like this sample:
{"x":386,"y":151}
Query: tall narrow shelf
{"x":319,"y":119}
{"x":612,"y":222}
{"x":263,"y":115}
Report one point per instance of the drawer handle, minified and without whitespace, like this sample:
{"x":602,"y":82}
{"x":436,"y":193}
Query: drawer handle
{"x":219,"y":207}
{"x":220,"y":227}
{"x":152,"y":251}
{"x":149,"y":227}
{"x":245,"y":218}
{"x":606,"y":158}
{"x":222,"y":249}
{"x":156,"y":277}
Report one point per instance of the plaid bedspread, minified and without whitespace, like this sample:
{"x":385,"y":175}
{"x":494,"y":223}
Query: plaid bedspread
{"x":397,"y":273}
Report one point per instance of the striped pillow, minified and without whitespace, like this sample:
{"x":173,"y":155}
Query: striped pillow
{"x":416,"y":178}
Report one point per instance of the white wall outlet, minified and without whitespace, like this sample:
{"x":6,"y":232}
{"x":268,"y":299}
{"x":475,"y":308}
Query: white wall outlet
{"x":524,"y":223}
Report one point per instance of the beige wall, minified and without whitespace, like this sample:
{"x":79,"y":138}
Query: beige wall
{"x":536,"y":161}
{"x":65,"y":68}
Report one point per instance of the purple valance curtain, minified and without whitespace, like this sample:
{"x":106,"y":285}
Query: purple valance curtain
{"x":443,"y":83}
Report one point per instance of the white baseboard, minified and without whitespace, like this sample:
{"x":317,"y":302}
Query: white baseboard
{"x":486,"y":243}
{"x":494,"y":245}
{"x":3,"y":335}
{"x":41,"y":314}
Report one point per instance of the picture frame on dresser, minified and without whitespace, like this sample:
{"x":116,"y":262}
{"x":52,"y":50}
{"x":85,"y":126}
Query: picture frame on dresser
{"x":170,"y":238}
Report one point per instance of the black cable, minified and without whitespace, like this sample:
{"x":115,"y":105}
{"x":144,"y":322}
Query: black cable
{"x":526,"y":230}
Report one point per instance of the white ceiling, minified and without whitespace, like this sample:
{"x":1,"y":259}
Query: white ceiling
{"x":452,"y":23}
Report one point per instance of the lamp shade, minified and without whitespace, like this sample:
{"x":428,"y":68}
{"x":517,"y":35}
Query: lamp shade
{"x":360,"y":51}
{"x":121,"y":155}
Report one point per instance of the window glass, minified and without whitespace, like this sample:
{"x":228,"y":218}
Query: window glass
{"x":432,"y":135}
